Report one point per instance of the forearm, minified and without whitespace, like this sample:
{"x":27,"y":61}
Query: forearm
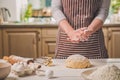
{"x":101,"y":16}
{"x":85,"y":32}
{"x":65,"y":26}
{"x":59,"y":16}
{"x":95,"y":25}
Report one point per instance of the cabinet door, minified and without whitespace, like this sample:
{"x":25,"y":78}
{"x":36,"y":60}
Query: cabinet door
{"x":1,"y":44}
{"x":105,"y":31}
{"x":49,"y":41}
{"x":114,"y":42}
{"x":22,"y":42}
{"x":48,"y":46}
{"x":49,"y":32}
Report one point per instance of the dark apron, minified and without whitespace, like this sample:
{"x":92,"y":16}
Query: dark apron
{"x":80,"y":13}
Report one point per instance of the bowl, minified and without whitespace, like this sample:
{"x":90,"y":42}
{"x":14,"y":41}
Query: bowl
{"x":5,"y":69}
{"x":85,"y":74}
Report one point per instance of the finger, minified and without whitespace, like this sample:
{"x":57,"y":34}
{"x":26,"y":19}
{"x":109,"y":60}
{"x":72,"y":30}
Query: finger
{"x":75,"y":40}
{"x":83,"y":38}
{"x":68,"y":39}
{"x":84,"y":28}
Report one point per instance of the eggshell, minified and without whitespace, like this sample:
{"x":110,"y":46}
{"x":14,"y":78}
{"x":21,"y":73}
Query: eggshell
{"x":49,"y":73}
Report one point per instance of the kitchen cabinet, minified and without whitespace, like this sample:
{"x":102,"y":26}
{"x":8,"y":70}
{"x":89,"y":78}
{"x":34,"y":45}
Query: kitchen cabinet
{"x":114,"y":42}
{"x":1,"y":43}
{"x":48,"y":46}
{"x":105,"y":32}
{"x":111,"y":37}
{"x":40,"y":40}
{"x":49,"y":41}
{"x":106,"y":38}
{"x":23,"y":42}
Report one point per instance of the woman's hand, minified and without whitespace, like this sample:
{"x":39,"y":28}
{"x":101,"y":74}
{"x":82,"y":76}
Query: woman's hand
{"x":79,"y":35}
{"x":85,"y":33}
{"x":73,"y":36}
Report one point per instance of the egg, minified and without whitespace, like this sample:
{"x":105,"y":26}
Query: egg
{"x":49,"y":73}
{"x":18,"y":67}
{"x":40,"y":72}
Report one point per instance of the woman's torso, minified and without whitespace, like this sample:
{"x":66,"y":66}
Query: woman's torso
{"x":80,"y":13}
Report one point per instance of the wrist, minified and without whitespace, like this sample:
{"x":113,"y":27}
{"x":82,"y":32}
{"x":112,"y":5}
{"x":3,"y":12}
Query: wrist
{"x":70,"y":32}
{"x":91,"y":30}
{"x":66,"y":27}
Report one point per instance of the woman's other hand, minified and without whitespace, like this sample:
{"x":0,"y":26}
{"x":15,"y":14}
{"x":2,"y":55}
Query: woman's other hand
{"x":73,"y":36}
{"x":86,"y":33}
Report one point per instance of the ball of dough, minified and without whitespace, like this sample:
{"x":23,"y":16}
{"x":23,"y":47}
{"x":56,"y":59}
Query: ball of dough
{"x":77,"y":62}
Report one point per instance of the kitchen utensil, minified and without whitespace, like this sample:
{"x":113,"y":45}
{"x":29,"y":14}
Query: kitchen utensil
{"x":5,"y":14}
{"x":85,"y":74}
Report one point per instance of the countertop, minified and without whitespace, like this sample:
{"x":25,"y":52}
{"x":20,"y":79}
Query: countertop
{"x":63,"y":73}
{"x":46,"y":25}
{"x":21,"y":25}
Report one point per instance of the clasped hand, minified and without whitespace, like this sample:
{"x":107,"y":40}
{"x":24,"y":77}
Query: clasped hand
{"x":79,"y":35}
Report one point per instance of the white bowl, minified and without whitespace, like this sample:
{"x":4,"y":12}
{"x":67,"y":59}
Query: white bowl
{"x":85,"y":74}
{"x":5,"y":69}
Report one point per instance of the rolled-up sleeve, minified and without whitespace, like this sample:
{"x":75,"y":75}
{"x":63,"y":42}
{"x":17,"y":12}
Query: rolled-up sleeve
{"x":104,"y":10}
{"x":57,"y":10}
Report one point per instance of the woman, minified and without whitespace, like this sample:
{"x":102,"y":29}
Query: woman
{"x":80,"y":27}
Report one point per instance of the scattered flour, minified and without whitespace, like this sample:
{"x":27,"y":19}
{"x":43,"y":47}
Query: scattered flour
{"x":107,"y":72}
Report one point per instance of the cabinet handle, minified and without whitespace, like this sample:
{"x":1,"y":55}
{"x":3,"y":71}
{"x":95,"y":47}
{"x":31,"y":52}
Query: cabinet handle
{"x":39,"y":37}
{"x":109,"y":35}
{"x":34,"y":40}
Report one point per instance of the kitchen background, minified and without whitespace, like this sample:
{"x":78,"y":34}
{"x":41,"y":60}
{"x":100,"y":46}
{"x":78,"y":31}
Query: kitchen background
{"x":25,"y":10}
{"x":39,"y":11}
{"x":28,"y":29}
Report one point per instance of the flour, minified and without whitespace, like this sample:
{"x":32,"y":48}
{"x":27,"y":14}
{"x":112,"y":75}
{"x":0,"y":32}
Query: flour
{"x":107,"y":72}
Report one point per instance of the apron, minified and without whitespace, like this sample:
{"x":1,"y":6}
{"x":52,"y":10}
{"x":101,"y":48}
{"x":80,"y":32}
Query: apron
{"x":80,"y":13}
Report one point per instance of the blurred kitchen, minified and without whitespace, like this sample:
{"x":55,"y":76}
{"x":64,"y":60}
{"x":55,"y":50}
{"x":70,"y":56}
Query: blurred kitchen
{"x":26,"y":10}
{"x":27,"y":28}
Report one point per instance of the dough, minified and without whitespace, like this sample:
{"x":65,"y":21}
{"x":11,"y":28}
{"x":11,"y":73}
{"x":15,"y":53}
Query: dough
{"x":77,"y":62}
